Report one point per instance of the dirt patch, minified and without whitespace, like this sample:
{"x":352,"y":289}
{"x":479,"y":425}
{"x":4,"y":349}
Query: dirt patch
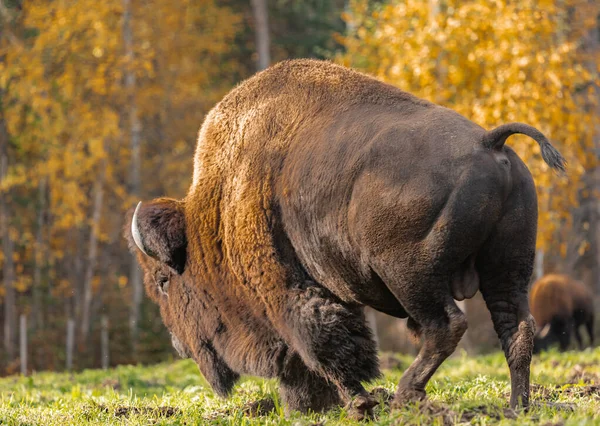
{"x":496,"y":413}
{"x":541,"y":392}
{"x":438,"y":411}
{"x":590,"y":390}
{"x":433,"y":411}
{"x":262,"y":407}
{"x":553,"y":391}
{"x":545,"y":395}
{"x":155,"y":412}
{"x":579,"y":375}
{"x":561,"y":406}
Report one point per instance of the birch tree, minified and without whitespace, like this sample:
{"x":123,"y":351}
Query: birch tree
{"x":261,"y":28}
{"x":134,"y":132}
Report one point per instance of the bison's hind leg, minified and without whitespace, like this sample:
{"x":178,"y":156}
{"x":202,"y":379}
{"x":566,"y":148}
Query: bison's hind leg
{"x":505,"y":295}
{"x":589,"y":326}
{"x":563,"y":329}
{"x":577,"y":335}
{"x":505,"y":264}
{"x":439,"y":322}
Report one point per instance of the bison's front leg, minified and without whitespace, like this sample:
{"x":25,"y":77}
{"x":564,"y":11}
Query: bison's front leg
{"x":304,"y":390}
{"x":335,"y":342}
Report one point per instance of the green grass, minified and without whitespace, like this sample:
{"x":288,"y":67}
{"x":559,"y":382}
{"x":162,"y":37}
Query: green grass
{"x":465,"y":390}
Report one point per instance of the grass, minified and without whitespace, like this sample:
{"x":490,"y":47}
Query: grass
{"x":466,"y":390}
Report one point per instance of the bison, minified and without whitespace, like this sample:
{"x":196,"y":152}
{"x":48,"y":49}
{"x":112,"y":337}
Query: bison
{"x":317,"y":191}
{"x":560,"y":305}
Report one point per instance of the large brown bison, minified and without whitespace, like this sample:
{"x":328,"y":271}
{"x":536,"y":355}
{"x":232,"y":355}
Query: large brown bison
{"x":560,"y":305}
{"x":317,"y":191}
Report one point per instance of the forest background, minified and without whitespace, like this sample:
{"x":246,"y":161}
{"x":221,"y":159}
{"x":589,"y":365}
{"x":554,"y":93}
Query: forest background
{"x":100,"y":104}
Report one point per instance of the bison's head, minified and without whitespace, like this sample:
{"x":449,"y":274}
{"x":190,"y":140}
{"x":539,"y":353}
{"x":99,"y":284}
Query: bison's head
{"x":543,"y":339}
{"x":158,"y":231}
{"x":156,"y":235}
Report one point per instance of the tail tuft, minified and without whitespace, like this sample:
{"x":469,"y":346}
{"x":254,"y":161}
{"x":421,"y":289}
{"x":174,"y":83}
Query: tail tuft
{"x":553,"y":158}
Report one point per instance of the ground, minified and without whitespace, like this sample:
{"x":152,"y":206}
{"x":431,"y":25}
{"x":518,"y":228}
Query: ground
{"x":466,"y":390}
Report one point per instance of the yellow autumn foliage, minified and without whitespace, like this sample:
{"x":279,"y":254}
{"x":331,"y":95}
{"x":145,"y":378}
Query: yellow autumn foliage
{"x":494,"y":62}
{"x":66,"y":106}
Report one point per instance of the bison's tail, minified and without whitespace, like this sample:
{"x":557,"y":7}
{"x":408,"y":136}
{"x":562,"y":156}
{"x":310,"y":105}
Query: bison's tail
{"x":494,"y":139}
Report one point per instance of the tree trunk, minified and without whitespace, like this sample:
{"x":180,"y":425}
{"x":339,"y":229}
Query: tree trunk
{"x":592,"y":47}
{"x":583,"y":252}
{"x":92,"y":251}
{"x":539,"y":264}
{"x":135,"y":130}
{"x":261,"y":23}
{"x":37,"y":315}
{"x":70,"y":344}
{"x":8,"y":270}
{"x":23,"y":343}
{"x":104,"y":342}
{"x":135,"y":278}
{"x":77,"y":272}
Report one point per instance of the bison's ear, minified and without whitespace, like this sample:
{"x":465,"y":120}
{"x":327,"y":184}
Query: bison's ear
{"x":157,"y":228}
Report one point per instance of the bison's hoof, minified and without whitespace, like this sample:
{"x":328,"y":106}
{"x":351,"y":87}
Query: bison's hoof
{"x":404,"y":396}
{"x":361,"y":407}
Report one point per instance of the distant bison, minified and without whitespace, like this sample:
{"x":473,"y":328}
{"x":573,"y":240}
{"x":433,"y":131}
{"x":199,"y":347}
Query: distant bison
{"x":317,"y":191}
{"x":560,"y":305}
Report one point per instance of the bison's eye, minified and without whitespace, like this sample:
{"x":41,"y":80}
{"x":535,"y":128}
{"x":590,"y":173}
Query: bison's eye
{"x":162,"y":280}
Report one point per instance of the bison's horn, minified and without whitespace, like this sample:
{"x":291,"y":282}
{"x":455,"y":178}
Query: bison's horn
{"x":135,"y":231}
{"x":544,"y":331}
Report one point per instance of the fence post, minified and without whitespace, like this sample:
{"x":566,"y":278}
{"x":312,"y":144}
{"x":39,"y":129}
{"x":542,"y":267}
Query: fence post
{"x":70,"y":342}
{"x":104,"y":341}
{"x":23,"y":344}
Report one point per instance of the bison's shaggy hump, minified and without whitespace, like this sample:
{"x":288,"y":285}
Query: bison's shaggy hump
{"x":242,"y":146}
{"x":275,"y":101}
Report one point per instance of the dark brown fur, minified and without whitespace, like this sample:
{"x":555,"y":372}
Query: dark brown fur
{"x":563,"y":305}
{"x":318,"y":190}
